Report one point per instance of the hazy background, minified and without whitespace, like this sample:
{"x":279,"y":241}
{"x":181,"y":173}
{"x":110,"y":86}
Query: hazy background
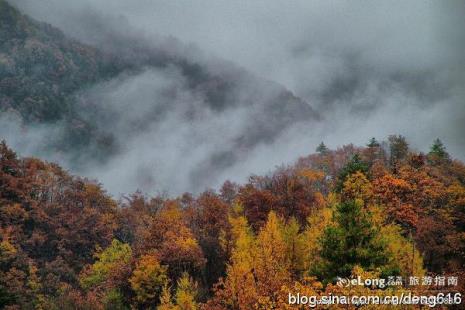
{"x":369,"y":68}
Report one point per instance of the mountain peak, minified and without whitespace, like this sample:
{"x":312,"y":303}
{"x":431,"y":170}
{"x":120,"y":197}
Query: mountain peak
{"x":12,"y":22}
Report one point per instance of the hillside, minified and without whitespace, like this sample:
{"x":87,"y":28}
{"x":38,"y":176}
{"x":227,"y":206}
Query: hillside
{"x":40,"y":68}
{"x":139,"y":171}
{"x":65,"y":244}
{"x":47,"y":78}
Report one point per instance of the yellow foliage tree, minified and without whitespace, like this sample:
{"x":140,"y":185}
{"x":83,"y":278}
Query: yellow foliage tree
{"x":165,"y":299}
{"x":186,"y":293}
{"x":402,"y":252}
{"x":271,"y":265}
{"x":147,"y":280}
{"x":240,"y":284}
{"x":315,"y":228}
{"x":296,"y":248}
{"x":357,"y":186}
{"x":108,"y":261}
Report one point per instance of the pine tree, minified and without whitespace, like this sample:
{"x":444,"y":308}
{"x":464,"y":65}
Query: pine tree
{"x":373,"y":143}
{"x":352,"y":241}
{"x":438,"y":153}
{"x":322,"y":149}
{"x":354,"y":165}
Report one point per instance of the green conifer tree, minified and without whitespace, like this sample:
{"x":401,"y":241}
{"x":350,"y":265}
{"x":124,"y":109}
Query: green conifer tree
{"x":353,"y":240}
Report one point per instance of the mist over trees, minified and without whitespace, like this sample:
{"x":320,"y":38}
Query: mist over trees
{"x":139,"y":171}
{"x":66,"y":244}
{"x":118,"y":76}
{"x":91,"y":108}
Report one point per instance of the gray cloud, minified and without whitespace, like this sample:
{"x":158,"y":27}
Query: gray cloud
{"x":370,"y":68}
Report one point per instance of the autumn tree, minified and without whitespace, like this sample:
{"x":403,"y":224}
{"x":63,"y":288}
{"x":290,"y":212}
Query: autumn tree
{"x":257,"y":203}
{"x":398,"y":149}
{"x":272,"y":265}
{"x":171,"y":238}
{"x":166,"y":302}
{"x":261,"y":264}
{"x":355,"y":164}
{"x":137,"y":213}
{"x":394,"y":193}
{"x":228,"y":191}
{"x":239,"y":289}
{"x":147,"y":280}
{"x":316,"y":225}
{"x":108,"y":275}
{"x":373,"y":153}
{"x":209,"y":222}
{"x":186,"y":293}
{"x":357,"y":187}
{"x":289,"y":193}
{"x":296,"y":248}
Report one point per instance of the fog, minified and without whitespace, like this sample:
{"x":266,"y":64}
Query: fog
{"x":368,"y":68}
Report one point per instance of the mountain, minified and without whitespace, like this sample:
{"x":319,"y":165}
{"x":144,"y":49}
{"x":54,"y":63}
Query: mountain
{"x":66,"y":244}
{"x":40,"y":67}
{"x":105,"y":96}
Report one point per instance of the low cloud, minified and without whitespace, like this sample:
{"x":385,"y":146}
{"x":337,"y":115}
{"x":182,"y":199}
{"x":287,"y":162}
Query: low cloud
{"x":369,"y":69}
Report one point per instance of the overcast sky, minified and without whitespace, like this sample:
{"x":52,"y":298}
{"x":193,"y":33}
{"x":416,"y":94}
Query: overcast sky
{"x":371,"y":68}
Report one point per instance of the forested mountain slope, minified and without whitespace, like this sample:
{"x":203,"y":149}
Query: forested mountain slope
{"x":65,"y":244}
{"x":96,"y":102}
{"x":40,"y":68}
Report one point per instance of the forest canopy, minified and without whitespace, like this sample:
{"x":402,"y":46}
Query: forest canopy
{"x":381,"y":210}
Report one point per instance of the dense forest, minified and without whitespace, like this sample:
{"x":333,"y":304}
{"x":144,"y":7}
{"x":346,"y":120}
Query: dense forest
{"x":380,"y":210}
{"x":153,"y":113}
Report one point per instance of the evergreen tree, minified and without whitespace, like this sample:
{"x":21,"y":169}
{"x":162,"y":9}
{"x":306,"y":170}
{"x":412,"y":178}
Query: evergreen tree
{"x":352,"y":241}
{"x":438,"y":153}
{"x":355,"y":164}
{"x":322,"y":149}
{"x":373,"y":143}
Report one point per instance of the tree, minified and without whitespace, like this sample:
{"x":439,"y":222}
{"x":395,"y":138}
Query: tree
{"x":355,"y":164}
{"x":394,"y":193}
{"x":110,"y":261}
{"x":271,"y":264}
{"x":209,"y":221}
{"x":147,"y":280}
{"x":186,"y":293}
{"x":171,"y":238}
{"x":373,"y":153}
{"x":296,"y":247}
{"x":260,"y":264}
{"x":351,"y":241}
{"x":357,"y":186}
{"x":373,"y":143}
{"x":317,"y":223}
{"x":165,"y":300}
{"x":239,"y":289}
{"x":289,"y":193}
{"x":438,"y":153}
{"x":398,"y":148}
{"x":322,"y":149}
